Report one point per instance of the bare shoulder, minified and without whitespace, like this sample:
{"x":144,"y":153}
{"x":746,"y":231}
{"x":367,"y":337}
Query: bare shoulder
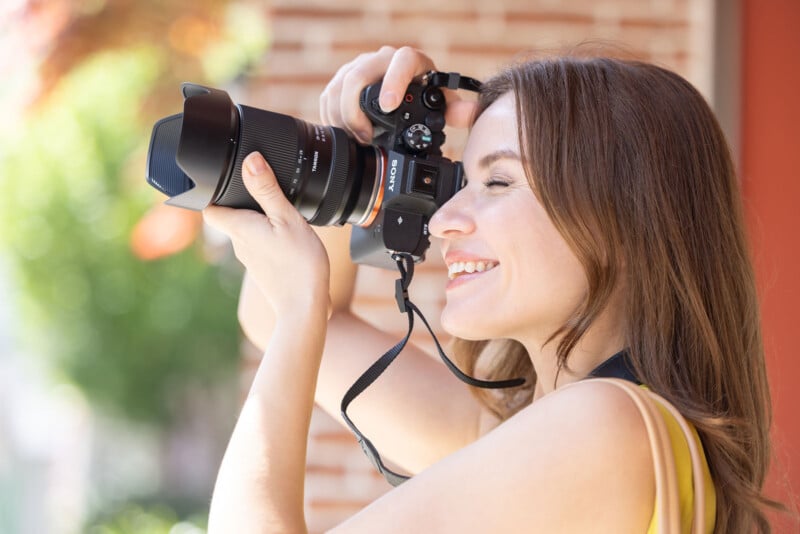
{"x":576,"y":460}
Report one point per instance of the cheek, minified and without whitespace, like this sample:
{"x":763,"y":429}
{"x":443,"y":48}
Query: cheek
{"x":539,"y":283}
{"x":550,"y":276}
{"x":544,"y":281}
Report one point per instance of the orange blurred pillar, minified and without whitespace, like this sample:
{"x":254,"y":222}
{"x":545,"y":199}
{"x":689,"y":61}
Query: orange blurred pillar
{"x":771,"y":181}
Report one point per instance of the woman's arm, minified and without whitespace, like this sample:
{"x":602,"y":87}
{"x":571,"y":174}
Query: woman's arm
{"x":577,"y":460}
{"x":259,"y":487}
{"x":260,"y":482}
{"x":415,"y":414}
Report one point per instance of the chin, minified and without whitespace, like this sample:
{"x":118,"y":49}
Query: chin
{"x":467,"y":327}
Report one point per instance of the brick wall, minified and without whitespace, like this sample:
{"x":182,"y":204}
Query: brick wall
{"x":310,"y":39}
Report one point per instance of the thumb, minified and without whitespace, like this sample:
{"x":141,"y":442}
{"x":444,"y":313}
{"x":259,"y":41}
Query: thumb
{"x":262,"y":185}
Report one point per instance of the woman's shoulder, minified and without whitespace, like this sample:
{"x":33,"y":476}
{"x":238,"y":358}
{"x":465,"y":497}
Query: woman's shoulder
{"x":576,"y":460}
{"x":594,"y":407}
{"x":605,"y":460}
{"x":592,"y":402}
{"x":599,"y":423}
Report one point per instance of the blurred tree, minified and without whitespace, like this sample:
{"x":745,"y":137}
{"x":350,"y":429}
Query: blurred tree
{"x":212,"y":40}
{"x":130,"y":333}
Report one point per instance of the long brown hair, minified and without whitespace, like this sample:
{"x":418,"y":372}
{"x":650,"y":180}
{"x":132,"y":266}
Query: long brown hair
{"x":634,"y":171}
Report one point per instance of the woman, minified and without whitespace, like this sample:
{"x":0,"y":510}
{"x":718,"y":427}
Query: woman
{"x":602,"y":203}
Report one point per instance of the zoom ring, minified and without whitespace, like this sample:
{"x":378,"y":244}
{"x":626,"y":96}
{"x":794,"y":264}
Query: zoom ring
{"x":275,"y":136}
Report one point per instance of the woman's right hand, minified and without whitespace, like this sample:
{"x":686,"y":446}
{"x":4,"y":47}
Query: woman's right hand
{"x":339,"y":102}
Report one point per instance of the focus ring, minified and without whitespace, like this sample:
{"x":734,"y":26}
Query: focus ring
{"x":337,"y":180}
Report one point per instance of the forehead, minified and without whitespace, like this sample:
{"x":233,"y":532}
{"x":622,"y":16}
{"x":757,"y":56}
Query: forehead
{"x":495,"y":130}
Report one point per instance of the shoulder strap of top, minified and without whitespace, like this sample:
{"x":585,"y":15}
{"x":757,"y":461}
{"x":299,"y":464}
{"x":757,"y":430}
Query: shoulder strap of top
{"x":667,"y":493}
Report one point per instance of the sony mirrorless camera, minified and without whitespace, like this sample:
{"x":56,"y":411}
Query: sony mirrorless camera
{"x":387,"y":190}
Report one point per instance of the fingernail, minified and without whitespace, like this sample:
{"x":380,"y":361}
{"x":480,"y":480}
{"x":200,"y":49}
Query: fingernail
{"x":255,"y":163}
{"x":388,"y":101}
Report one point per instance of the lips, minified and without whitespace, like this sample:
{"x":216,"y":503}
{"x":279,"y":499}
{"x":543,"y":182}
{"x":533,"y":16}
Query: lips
{"x":462,"y":268}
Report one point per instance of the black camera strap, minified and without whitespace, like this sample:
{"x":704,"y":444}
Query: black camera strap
{"x":452,"y":80}
{"x":405,"y":264}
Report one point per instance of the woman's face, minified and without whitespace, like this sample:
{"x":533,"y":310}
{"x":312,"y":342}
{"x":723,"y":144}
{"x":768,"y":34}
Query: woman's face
{"x":512,"y":275}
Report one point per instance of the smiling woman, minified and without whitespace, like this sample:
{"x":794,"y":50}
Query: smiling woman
{"x":599,"y":233}
{"x":531,"y":256}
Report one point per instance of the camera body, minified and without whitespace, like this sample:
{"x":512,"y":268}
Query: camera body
{"x":417,"y":179}
{"x":387,"y":190}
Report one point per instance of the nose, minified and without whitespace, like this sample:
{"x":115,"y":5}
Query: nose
{"x":454,"y":218}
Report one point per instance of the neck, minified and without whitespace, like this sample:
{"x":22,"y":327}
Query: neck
{"x":579,"y":365}
{"x":602,"y":340}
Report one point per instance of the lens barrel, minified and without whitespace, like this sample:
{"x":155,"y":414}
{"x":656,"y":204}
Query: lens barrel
{"x":325,"y":174}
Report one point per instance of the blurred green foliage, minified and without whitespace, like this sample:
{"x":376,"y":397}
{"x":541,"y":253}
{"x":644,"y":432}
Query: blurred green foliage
{"x":135,"y":519}
{"x":130,"y":333}
{"x":134,"y":336}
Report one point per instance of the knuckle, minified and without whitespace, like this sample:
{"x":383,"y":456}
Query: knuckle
{"x":386,"y":50}
{"x":407,"y":52}
{"x":412,"y":58}
{"x":361,"y":58}
{"x":356,"y":78}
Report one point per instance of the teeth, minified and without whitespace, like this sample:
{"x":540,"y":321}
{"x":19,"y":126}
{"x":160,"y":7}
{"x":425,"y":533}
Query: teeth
{"x":462,"y":267}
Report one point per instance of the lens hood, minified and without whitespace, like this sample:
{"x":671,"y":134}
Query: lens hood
{"x":206,"y":147}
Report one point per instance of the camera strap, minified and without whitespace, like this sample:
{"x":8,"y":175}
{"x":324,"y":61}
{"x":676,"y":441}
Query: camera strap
{"x":405,"y":264}
{"x":452,"y":80}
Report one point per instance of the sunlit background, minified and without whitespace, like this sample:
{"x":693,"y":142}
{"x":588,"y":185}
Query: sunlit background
{"x":118,"y":333}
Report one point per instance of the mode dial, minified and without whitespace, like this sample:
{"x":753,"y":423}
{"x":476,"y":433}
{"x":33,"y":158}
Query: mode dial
{"x":417,"y":137}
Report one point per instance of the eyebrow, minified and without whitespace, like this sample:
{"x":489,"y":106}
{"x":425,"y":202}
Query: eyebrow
{"x":490,"y":158}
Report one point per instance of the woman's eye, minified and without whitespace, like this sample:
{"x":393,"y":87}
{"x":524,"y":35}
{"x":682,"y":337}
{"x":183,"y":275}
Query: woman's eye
{"x":492,"y":182}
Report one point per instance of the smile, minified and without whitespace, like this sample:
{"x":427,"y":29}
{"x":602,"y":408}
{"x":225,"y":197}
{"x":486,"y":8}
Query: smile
{"x":461,"y":268}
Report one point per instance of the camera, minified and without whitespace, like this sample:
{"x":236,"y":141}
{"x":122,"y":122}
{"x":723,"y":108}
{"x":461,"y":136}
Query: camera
{"x":387,"y":190}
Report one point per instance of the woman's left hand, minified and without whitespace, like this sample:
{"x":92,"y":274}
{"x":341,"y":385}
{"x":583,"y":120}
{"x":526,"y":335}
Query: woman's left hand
{"x":279,"y":249}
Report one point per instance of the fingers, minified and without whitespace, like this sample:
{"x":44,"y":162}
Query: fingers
{"x":262,"y":185}
{"x":330,"y":100}
{"x":339,"y":102}
{"x":406,"y":64}
{"x":361,"y":74}
{"x":226,"y":220}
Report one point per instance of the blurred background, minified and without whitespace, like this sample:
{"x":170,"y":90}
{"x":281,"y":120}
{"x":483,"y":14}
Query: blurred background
{"x":122,"y":367}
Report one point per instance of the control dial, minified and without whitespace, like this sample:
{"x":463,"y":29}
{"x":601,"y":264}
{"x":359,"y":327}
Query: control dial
{"x":418,"y":137}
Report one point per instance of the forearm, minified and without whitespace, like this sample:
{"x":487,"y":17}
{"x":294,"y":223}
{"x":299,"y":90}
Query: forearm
{"x":260,"y":483}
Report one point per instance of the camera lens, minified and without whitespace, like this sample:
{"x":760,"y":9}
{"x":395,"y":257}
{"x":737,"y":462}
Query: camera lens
{"x":326,"y":175}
